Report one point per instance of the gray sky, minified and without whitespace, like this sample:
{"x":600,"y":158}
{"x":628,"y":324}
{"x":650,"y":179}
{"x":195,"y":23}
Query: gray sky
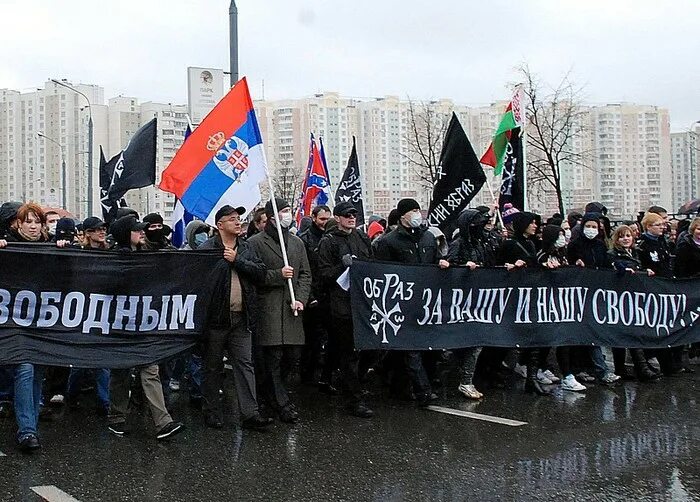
{"x":643,"y":51}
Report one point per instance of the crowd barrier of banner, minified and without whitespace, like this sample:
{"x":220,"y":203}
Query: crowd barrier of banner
{"x":421,"y":307}
{"x":100,"y":309}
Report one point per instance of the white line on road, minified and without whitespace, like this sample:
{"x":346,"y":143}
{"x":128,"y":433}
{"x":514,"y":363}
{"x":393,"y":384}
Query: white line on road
{"x":477,"y":416}
{"x":2,"y":454}
{"x":51,"y":493}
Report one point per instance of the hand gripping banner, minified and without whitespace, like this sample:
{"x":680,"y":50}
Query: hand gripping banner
{"x":421,"y":307}
{"x":101,"y":309}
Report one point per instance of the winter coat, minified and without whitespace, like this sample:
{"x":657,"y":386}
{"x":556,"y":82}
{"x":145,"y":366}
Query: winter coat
{"x":519,"y":247}
{"x":592,"y":252}
{"x":251,"y":272}
{"x":404,"y":245}
{"x":276,"y":324}
{"x":14,"y":236}
{"x":655,"y":255}
{"x":687,"y":262}
{"x":472,"y":243}
{"x":311,"y":237}
{"x":333,"y":247}
{"x":621,"y":260}
{"x":191,"y":230}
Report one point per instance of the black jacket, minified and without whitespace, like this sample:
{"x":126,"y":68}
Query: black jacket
{"x":403,"y":245}
{"x":472,"y":243}
{"x":251,"y":271}
{"x":311,"y":237}
{"x":654,"y":254}
{"x":687,"y":262}
{"x":332,"y":248}
{"x":592,"y":252}
{"x":621,"y":260}
{"x":519,"y":247}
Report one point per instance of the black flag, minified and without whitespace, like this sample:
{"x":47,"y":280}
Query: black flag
{"x":133,"y":167}
{"x":512,"y":190}
{"x":459,"y":178}
{"x":350,"y":188}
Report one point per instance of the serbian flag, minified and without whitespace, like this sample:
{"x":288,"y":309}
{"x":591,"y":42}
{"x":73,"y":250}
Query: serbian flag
{"x":512,"y":119}
{"x":223,"y":160}
{"x":316,"y":188}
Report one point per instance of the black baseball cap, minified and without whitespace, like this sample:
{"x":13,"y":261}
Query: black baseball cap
{"x":344,"y":209}
{"x":228,"y":210}
{"x":92,"y":223}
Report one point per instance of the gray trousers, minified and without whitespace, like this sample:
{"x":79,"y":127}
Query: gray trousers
{"x":237,"y":342}
{"x":152,"y":391}
{"x":467,"y":364}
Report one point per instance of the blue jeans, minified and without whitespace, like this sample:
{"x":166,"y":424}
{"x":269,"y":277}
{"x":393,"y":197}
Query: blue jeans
{"x":6,"y":383}
{"x":101,"y":383}
{"x":599,"y":367}
{"x":28,"y":380}
{"x":195,"y":370}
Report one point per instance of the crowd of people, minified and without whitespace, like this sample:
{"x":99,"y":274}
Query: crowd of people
{"x":273,"y":335}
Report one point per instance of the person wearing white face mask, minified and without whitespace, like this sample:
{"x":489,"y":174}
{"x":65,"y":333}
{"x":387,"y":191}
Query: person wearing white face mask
{"x":411,"y":243}
{"x":279,"y":332}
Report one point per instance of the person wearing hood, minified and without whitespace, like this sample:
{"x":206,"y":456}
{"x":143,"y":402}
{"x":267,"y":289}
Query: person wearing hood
{"x":336,"y":253}
{"x":196,"y":234}
{"x":589,"y":251}
{"x":128,"y":233}
{"x":315,"y":315}
{"x":280,"y":329}
{"x":8,"y":215}
{"x":156,"y":233}
{"x":411,"y":243}
{"x":470,"y":250}
{"x":687,"y":262}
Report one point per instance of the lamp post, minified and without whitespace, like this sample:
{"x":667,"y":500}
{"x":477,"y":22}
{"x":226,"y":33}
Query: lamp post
{"x":692,"y":151}
{"x":63,"y":169}
{"x":90,"y":125}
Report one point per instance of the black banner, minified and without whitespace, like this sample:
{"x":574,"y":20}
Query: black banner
{"x":512,"y":184}
{"x":350,"y":188}
{"x":101,"y":309}
{"x":421,"y":307}
{"x":459,"y":178}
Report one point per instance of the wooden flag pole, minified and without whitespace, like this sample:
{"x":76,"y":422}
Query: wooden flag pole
{"x":499,"y":217}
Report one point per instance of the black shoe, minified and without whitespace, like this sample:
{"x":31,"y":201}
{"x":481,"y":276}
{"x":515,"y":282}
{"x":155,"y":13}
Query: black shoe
{"x":196,"y":403}
{"x":45,"y":414}
{"x":102,"y":411}
{"x":28,"y":443}
{"x":169,"y":430}
{"x":6,"y":409}
{"x":213,"y":422}
{"x":119,"y":429}
{"x":534,"y":387}
{"x":426,"y":399}
{"x":289,"y":415}
{"x":360,"y":410}
{"x":327,"y":388}
{"x":256,"y":423}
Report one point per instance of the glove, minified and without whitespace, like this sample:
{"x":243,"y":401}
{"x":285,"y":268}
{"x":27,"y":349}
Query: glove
{"x":347,"y":260}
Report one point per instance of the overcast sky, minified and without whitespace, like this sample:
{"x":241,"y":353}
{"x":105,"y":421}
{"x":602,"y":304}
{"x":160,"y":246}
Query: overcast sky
{"x":643,"y":51}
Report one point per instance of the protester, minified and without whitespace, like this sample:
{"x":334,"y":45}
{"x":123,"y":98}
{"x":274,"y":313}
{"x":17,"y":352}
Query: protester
{"x":129,"y":236}
{"x":337,"y":251}
{"x":280,"y":329}
{"x":156,"y":233}
{"x":687,"y":262}
{"x":258,"y":223}
{"x":52,"y":218}
{"x":196,"y":234}
{"x":95,"y":231}
{"x":229,"y":324}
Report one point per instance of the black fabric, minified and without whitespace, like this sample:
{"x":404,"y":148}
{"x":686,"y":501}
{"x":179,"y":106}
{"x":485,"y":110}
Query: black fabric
{"x":512,"y":184}
{"x":65,"y":289}
{"x":687,"y":261}
{"x":421,"y":307}
{"x":592,"y":252}
{"x":311,"y":237}
{"x":459,"y":178}
{"x":407,"y":245}
{"x":350,"y":187}
{"x":654,"y":254}
{"x":471,"y":245}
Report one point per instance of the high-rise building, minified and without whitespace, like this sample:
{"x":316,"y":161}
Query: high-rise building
{"x":685,"y":162}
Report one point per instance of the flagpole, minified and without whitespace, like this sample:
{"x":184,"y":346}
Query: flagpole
{"x":523,"y":142}
{"x":499,"y":217}
{"x":283,"y":247}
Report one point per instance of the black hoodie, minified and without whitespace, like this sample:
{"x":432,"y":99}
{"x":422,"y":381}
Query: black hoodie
{"x":471,"y":245}
{"x":519,"y":247}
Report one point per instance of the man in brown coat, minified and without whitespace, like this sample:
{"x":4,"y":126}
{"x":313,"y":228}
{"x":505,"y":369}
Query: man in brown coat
{"x":279,"y":332}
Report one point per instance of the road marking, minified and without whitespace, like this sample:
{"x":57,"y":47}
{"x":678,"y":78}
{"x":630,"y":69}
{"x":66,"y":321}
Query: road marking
{"x":2,"y":454}
{"x":51,"y":493}
{"x":477,"y":416}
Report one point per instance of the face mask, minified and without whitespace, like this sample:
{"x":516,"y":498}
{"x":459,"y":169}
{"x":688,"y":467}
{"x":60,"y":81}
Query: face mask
{"x":200,"y":238}
{"x":154,"y":235}
{"x":52,"y":228}
{"x":416,"y":220}
{"x":285,"y":219}
{"x":590,"y":233}
{"x":560,"y":242}
{"x":567,"y":234}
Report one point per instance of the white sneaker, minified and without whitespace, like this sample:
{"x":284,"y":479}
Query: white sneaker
{"x":542,"y":378}
{"x":570,"y":383}
{"x":57,"y":399}
{"x":469,"y":391}
{"x":174,"y":385}
{"x":520,"y":370}
{"x":554,"y":378}
{"x":610,"y":378}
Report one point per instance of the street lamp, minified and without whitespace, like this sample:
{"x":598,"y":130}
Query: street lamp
{"x":63,"y":168}
{"x":692,"y":153}
{"x":89,"y":177}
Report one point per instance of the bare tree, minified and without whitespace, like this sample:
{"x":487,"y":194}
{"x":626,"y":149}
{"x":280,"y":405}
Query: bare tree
{"x":555,"y":120}
{"x":425,"y":133}
{"x":287,"y":181}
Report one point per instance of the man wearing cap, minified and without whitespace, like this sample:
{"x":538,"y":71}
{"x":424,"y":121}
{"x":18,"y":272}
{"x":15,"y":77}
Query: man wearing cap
{"x":229,"y":326}
{"x":128,"y":234}
{"x":410,"y":243}
{"x":280,"y":330}
{"x":337,"y":251}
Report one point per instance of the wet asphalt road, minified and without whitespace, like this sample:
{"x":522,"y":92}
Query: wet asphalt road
{"x":627,"y":442}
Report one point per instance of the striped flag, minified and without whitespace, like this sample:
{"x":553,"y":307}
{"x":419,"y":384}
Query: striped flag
{"x":180,"y":217}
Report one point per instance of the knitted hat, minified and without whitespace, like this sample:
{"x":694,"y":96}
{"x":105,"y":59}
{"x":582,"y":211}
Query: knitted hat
{"x":509,"y":212}
{"x":406,"y":205}
{"x":374,"y":228}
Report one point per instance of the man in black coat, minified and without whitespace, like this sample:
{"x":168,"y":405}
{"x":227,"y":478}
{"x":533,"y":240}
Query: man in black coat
{"x":411,"y":243}
{"x":336,"y":252}
{"x":229,"y":324}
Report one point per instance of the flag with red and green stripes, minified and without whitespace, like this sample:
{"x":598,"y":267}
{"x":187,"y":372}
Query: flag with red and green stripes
{"x":496,"y":152}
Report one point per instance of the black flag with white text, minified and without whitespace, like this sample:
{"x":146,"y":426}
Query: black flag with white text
{"x":512,"y":184}
{"x":350,"y":187}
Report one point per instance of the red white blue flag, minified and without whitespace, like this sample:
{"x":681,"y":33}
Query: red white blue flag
{"x":316,"y":189}
{"x":223,"y":160}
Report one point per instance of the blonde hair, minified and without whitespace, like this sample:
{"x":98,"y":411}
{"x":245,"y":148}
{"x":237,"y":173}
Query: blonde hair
{"x":619,"y":233}
{"x":693,"y":225}
{"x":651,"y":219}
